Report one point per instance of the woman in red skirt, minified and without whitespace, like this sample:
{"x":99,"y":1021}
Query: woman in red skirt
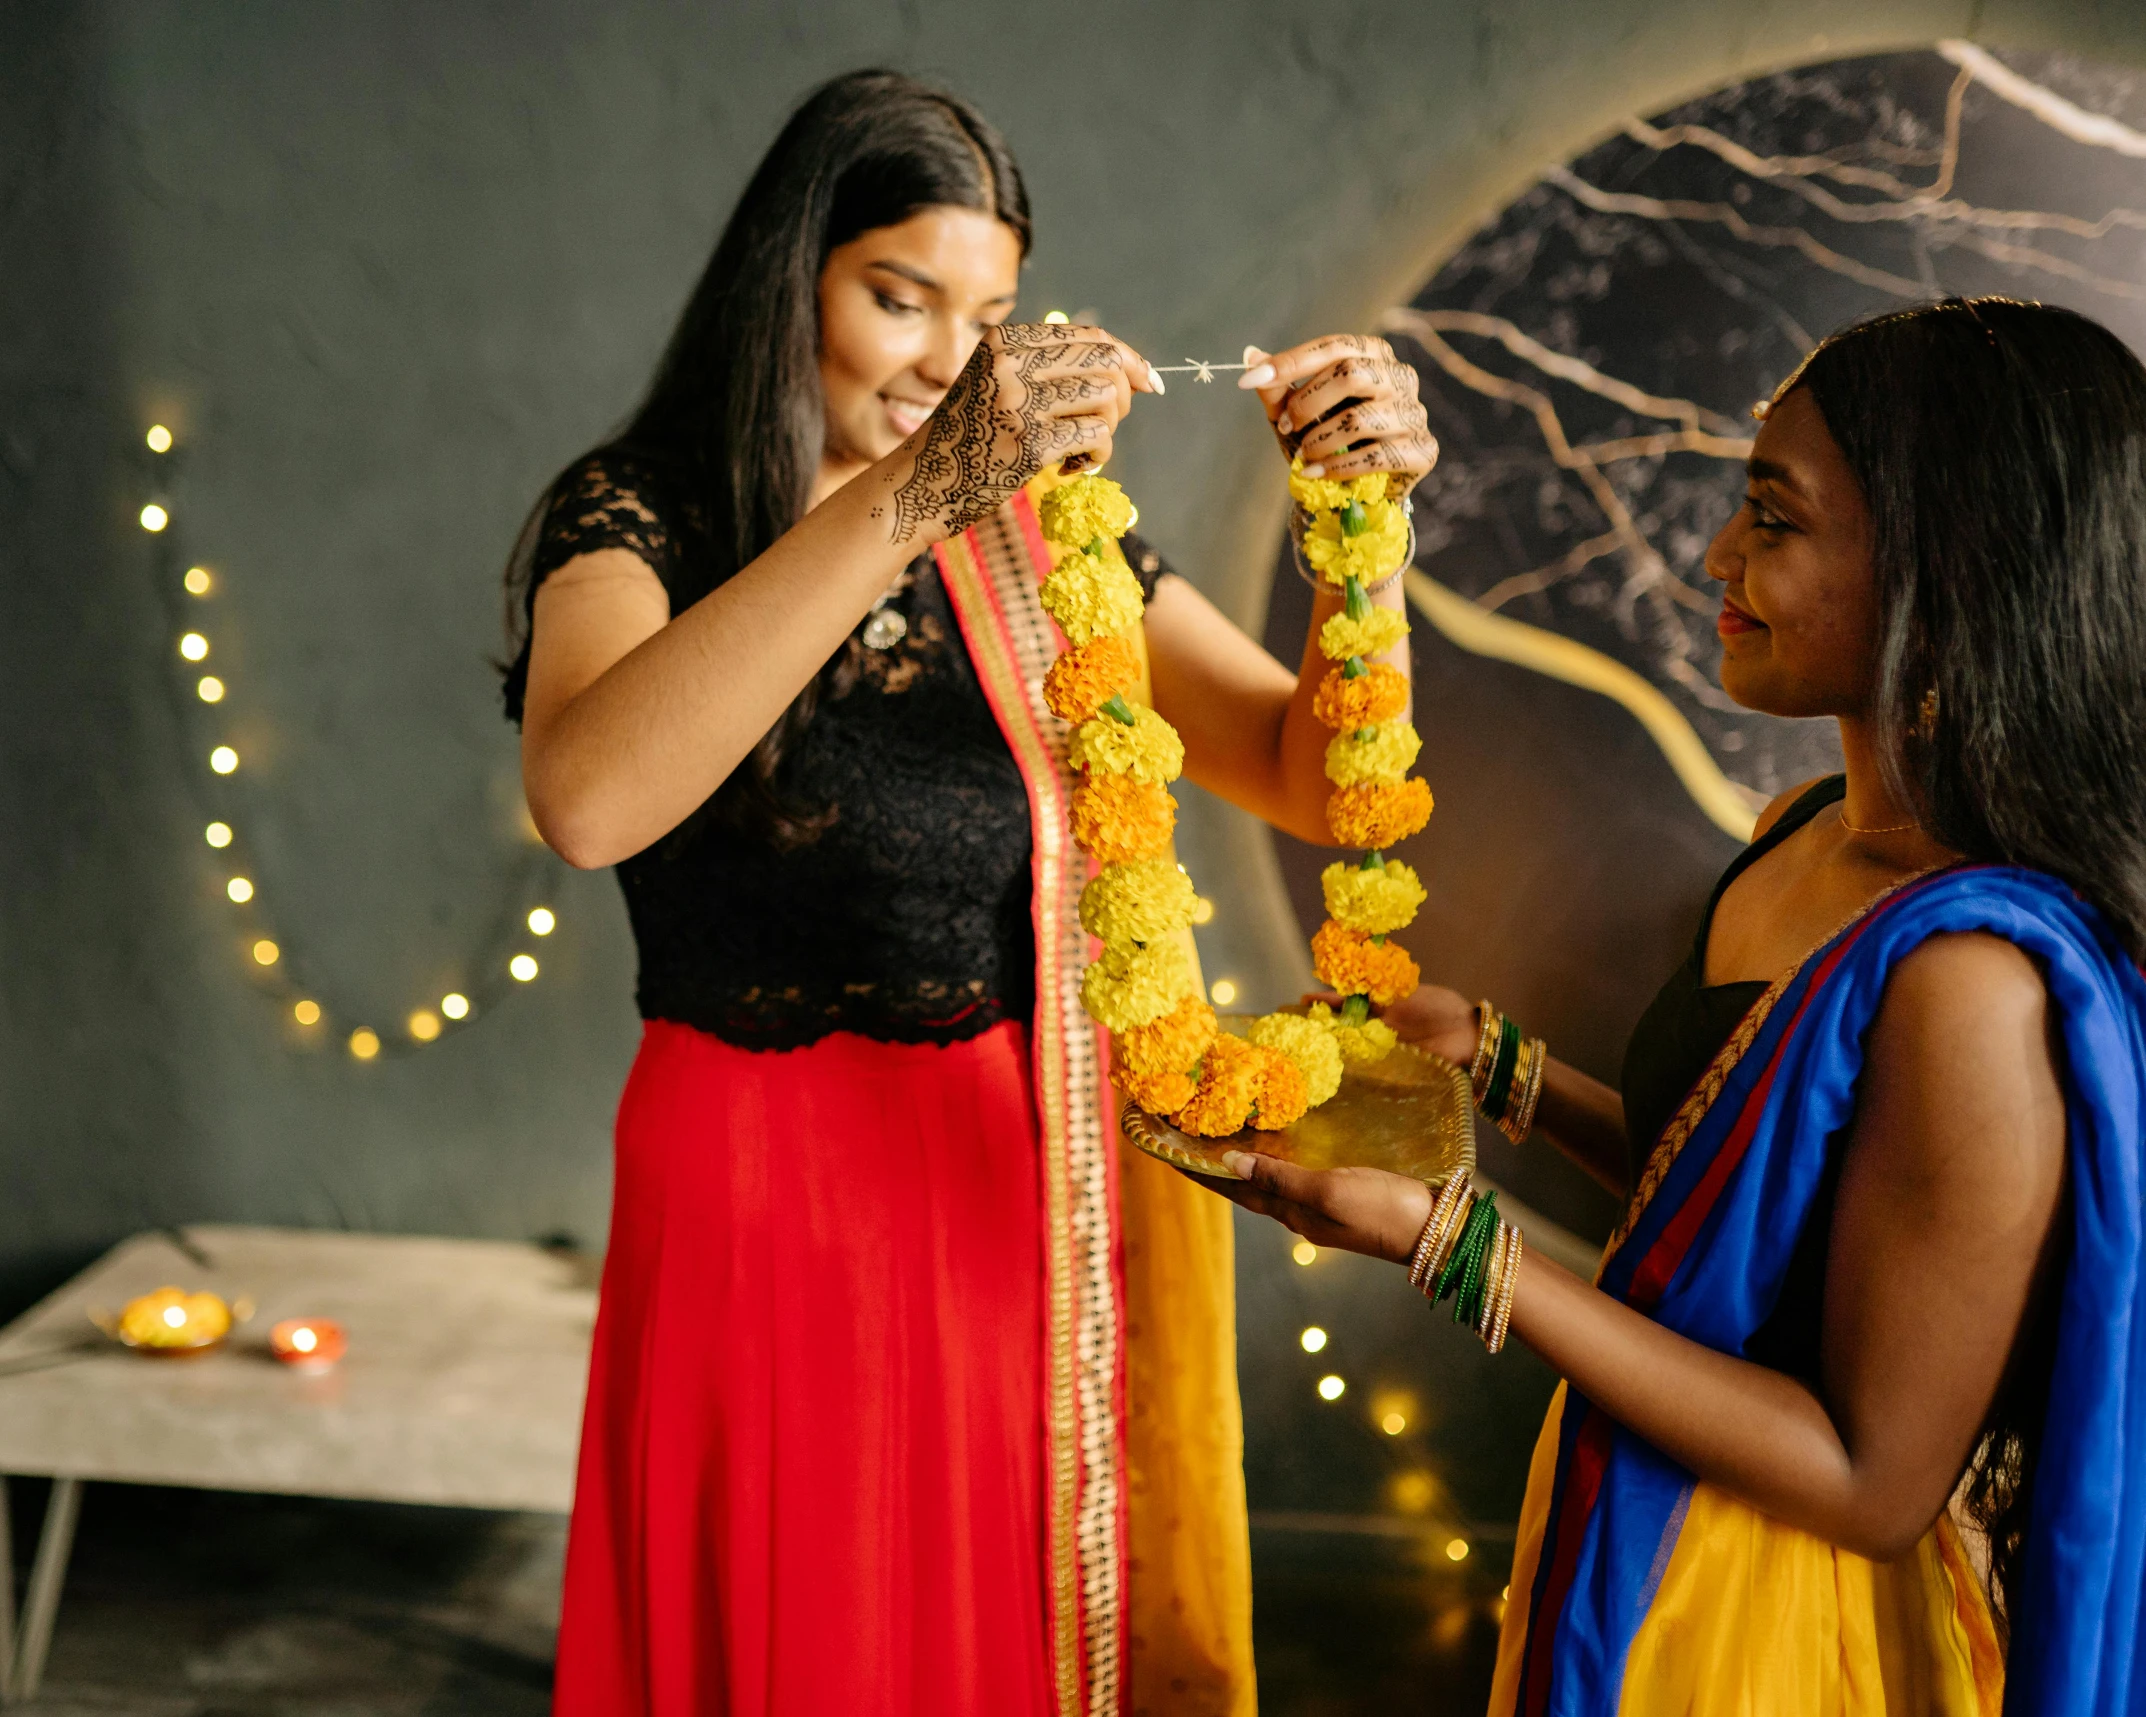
{"x":899,"y":1374}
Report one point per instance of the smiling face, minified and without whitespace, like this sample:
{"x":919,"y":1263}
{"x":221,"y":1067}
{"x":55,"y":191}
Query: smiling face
{"x":1799,"y":614}
{"x":901,"y":309}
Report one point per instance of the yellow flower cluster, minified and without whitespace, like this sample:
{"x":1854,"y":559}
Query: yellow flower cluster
{"x":1372,"y":754}
{"x":1147,"y":750}
{"x":1376,"y":899}
{"x":1081,"y":681}
{"x":1360,"y":1042}
{"x":1137,"y":902}
{"x":1358,"y":527}
{"x":1378,"y":694}
{"x":1310,"y":1044}
{"x":1331,"y":494}
{"x":1373,"y":634}
{"x":1117,"y":820}
{"x":1092,"y":595}
{"x":1076,"y":513}
{"x":1133,"y":985}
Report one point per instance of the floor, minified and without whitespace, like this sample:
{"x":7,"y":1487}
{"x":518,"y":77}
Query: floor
{"x":195,"y":1604}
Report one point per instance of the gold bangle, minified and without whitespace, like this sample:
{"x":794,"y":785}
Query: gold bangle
{"x":1448,"y":1235}
{"x":1524,"y":1120}
{"x":1427,"y":1241}
{"x":1506,"y":1290}
{"x":1486,"y":1314}
{"x":1519,"y":1117}
{"x":1486,"y":1047}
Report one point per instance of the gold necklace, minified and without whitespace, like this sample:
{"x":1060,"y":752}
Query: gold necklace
{"x":1888,"y":829}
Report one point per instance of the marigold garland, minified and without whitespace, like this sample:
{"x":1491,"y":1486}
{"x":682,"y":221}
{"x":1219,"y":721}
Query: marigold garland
{"x":1377,"y":902}
{"x":1379,"y":814}
{"x":1168,"y":1053}
{"x":1378,"y":694}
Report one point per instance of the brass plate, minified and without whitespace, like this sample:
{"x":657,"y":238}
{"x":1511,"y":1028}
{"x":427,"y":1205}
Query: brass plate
{"x":1411,"y":1113}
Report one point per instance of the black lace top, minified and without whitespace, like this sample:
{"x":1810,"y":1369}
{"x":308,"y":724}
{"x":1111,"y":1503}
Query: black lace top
{"x":907,"y":917}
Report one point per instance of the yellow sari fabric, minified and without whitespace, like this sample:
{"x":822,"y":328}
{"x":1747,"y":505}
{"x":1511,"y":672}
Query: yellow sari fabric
{"x":1189,"y":1577}
{"x":1753,"y":1618}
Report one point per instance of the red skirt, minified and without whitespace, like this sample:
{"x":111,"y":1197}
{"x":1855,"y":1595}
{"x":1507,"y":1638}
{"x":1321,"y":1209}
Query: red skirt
{"x":812,"y":1469}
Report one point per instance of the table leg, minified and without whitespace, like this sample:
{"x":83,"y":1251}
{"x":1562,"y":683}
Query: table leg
{"x":41,"y":1603}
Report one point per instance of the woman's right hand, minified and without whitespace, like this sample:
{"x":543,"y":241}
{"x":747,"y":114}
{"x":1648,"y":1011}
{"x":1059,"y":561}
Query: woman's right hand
{"x":1431,"y":1017}
{"x":1032,"y":394}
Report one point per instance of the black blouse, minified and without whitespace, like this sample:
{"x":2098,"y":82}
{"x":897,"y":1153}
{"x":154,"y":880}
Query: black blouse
{"x":1675,"y":1042}
{"x":907,"y":918}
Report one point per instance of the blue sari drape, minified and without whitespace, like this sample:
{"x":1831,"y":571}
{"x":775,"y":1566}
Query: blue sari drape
{"x":1707,"y":1241}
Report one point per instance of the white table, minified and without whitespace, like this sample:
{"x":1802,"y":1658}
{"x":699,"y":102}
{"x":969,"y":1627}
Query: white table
{"x":462,"y":1386}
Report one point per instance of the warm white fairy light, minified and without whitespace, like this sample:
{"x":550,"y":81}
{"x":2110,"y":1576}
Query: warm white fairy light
{"x":159,"y":438}
{"x":1056,"y":318}
{"x":154,"y":517}
{"x":217,"y":834}
{"x":424,"y":1025}
{"x":1304,"y":1252}
{"x":1203,"y":910}
{"x":266,"y":953}
{"x":193,"y":646}
{"x":223,"y":760}
{"x":1394,"y":1424}
{"x":542,"y":922}
{"x":1224,"y":991}
{"x":1312,"y":1340}
{"x":1456,"y":1550}
{"x":365,"y":1043}
{"x":523,"y":967}
{"x":1331,"y":1388}
{"x":210,"y":690}
{"x":306,"y":1012}
{"x":198,"y":581}
{"x":454,"y":1005}
{"x":239,"y":889}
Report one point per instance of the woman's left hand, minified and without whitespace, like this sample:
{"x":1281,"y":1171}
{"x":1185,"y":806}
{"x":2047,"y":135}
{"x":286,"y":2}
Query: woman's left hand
{"x":1354,"y":1210}
{"x":1347,"y":405}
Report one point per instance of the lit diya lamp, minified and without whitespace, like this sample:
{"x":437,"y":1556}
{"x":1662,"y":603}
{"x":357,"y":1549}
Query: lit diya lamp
{"x":308,"y":1344}
{"x":171,"y":1321}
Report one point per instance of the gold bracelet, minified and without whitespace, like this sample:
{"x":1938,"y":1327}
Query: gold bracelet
{"x":1486,"y":1047}
{"x":1519,"y":1117}
{"x":1506,"y":1289}
{"x":1419,"y":1261}
{"x":1453,"y":1223}
{"x":1493,"y":1279}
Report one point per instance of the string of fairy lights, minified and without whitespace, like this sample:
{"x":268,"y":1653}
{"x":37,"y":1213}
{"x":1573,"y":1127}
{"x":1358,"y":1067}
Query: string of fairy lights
{"x":505,"y":960}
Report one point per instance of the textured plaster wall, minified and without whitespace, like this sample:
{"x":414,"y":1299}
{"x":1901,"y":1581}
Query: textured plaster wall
{"x":384,"y":267}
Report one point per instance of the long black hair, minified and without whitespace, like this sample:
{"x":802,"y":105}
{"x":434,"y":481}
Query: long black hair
{"x":2001,"y":448}
{"x":735,"y":405}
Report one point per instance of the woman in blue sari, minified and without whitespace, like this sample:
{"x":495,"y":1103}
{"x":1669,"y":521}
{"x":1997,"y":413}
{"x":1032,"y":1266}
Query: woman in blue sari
{"x":1880,"y":1269}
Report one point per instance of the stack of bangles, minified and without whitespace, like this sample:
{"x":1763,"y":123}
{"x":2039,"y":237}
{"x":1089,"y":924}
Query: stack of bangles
{"x":1466,"y":1251}
{"x":1507,"y":1073}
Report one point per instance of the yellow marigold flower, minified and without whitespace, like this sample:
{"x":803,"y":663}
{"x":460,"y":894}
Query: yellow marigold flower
{"x":1149,"y":750}
{"x":1377,"y":902}
{"x":1307,"y":1043}
{"x":1131,"y":986}
{"x":1378,"y":814}
{"x":1283,"y":1093}
{"x":1081,"y":509}
{"x":1360,"y":1045}
{"x":1092,"y":596}
{"x":1229,"y":1086}
{"x":1330,"y":494}
{"x":1080,"y":681}
{"x":1387,"y":755}
{"x":1375,"y":696}
{"x":1137,"y":902}
{"x":1174,"y":1042}
{"x":1373,"y":635}
{"x":1118,"y":820}
{"x":1369,"y":555}
{"x":1160,"y":1093}
{"x":1350,"y":962}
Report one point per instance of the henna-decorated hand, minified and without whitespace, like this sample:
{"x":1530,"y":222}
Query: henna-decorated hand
{"x":1031,"y":395}
{"x":1347,"y":404}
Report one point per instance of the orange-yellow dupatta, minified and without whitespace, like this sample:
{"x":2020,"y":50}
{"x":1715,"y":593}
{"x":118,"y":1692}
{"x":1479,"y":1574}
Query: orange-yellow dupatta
{"x":1149,"y":1563}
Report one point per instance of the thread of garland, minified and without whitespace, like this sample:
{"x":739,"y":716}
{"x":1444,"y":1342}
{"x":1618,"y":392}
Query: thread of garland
{"x":1355,"y":533}
{"x":1168,"y":1052}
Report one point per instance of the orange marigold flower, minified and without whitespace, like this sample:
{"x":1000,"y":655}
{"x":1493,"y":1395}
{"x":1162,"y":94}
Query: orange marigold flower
{"x":1375,"y":697}
{"x":1229,"y":1086}
{"x":1283,"y":1094}
{"x":1118,"y":820}
{"x":1082,"y":680}
{"x":1353,"y":964}
{"x":1378,"y":814}
{"x":1172,"y":1043}
{"x":1162,"y":1093}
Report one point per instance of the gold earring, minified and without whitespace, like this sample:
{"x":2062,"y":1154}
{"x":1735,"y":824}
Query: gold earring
{"x":1926,"y":717}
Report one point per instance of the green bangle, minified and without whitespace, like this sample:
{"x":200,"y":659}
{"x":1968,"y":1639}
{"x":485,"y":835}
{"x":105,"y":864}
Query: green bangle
{"x":1479,"y":1224}
{"x":1500,"y":1086}
{"x":1468,"y":1304}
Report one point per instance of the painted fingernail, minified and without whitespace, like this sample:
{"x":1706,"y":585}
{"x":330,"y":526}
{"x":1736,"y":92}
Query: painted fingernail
{"x":1155,"y":379}
{"x":1239,"y":1163}
{"x":1259,"y":378}
{"x":1315,"y":470}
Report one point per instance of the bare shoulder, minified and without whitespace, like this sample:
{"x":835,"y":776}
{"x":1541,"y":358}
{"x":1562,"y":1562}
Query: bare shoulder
{"x":1773,"y":812}
{"x":615,"y":572}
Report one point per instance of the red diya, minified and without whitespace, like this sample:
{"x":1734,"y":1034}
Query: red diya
{"x":308,"y":1344}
